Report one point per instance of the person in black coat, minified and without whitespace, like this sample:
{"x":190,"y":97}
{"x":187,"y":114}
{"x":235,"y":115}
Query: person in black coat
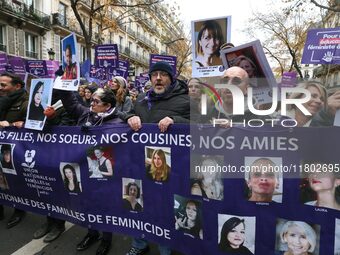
{"x":166,"y":103}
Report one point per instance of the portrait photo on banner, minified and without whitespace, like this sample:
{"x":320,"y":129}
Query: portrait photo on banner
{"x":70,"y":174}
{"x":100,"y":161}
{"x":337,"y":237}
{"x":70,"y":59}
{"x":206,"y":176}
{"x":132,"y":194}
{"x":320,"y":188}
{"x":3,"y":181}
{"x":207,"y":38}
{"x":6,"y":158}
{"x":296,"y":237}
{"x":251,"y":58}
{"x":188,"y":216}
{"x":40,"y":98}
{"x":263,"y":180}
{"x":158,"y":163}
{"x":236,"y":234}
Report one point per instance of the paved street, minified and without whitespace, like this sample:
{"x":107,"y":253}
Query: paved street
{"x":18,"y":240}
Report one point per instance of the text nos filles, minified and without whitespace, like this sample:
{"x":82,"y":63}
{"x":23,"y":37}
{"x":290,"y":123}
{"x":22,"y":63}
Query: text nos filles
{"x":182,"y":140}
{"x":279,"y":143}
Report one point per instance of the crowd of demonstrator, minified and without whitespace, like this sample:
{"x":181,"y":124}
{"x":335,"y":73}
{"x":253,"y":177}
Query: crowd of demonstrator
{"x":165,"y":101}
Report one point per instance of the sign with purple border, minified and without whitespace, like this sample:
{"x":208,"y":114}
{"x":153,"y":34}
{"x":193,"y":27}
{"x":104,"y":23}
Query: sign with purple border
{"x":322,"y":46}
{"x":106,"y":55}
{"x":36,"y":67}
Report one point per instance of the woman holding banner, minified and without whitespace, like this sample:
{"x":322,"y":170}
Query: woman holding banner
{"x":101,"y":112}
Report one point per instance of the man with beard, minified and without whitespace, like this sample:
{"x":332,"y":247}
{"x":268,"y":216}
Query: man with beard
{"x":166,"y":103}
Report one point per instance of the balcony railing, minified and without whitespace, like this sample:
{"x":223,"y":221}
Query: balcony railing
{"x":3,"y":48}
{"x":59,"y":20}
{"x":25,"y":11}
{"x":131,"y":32}
{"x":31,"y":54}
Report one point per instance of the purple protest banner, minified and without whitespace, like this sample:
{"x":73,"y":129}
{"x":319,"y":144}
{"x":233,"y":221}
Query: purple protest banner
{"x":18,"y":66}
{"x":322,"y":46}
{"x":171,"y":60}
{"x":123,"y":68}
{"x":52,"y":67}
{"x":288,"y":79}
{"x":3,"y":62}
{"x":36,"y":67}
{"x":106,"y":55}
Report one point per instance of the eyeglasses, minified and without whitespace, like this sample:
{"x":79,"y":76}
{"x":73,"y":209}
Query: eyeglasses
{"x":233,"y":80}
{"x":162,"y":74}
{"x":95,"y":101}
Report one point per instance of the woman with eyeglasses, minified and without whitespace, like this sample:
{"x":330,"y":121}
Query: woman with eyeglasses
{"x":101,"y":112}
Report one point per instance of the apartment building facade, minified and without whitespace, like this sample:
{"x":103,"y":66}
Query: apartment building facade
{"x":33,"y":29}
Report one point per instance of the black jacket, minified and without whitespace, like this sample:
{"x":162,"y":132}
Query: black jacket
{"x":175,"y":104}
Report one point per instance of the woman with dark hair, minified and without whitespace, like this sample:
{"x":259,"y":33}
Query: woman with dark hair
{"x":158,"y":170}
{"x":124,"y":102}
{"x":190,"y":221}
{"x":101,"y":112}
{"x":132,"y":193}
{"x":36,"y":111}
{"x":209,"y":40}
{"x":70,"y":179}
{"x":233,"y":237}
{"x":6,"y":156}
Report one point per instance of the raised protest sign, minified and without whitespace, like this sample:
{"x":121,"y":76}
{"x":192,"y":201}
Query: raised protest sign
{"x":18,"y":66}
{"x":322,"y":46}
{"x":37,"y":67}
{"x":70,"y":61}
{"x":100,"y":199}
{"x":106,"y":55}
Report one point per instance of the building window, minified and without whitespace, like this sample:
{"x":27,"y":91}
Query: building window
{"x":2,"y":38}
{"x":62,"y":14}
{"x":31,"y":46}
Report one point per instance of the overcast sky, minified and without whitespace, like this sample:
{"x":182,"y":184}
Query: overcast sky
{"x":240,"y":10}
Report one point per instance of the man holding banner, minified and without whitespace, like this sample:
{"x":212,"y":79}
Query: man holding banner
{"x":166,"y":103}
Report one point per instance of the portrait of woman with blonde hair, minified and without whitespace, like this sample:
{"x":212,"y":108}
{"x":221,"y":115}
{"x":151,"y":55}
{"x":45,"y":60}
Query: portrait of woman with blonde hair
{"x":297,"y":238}
{"x":158,"y":170}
